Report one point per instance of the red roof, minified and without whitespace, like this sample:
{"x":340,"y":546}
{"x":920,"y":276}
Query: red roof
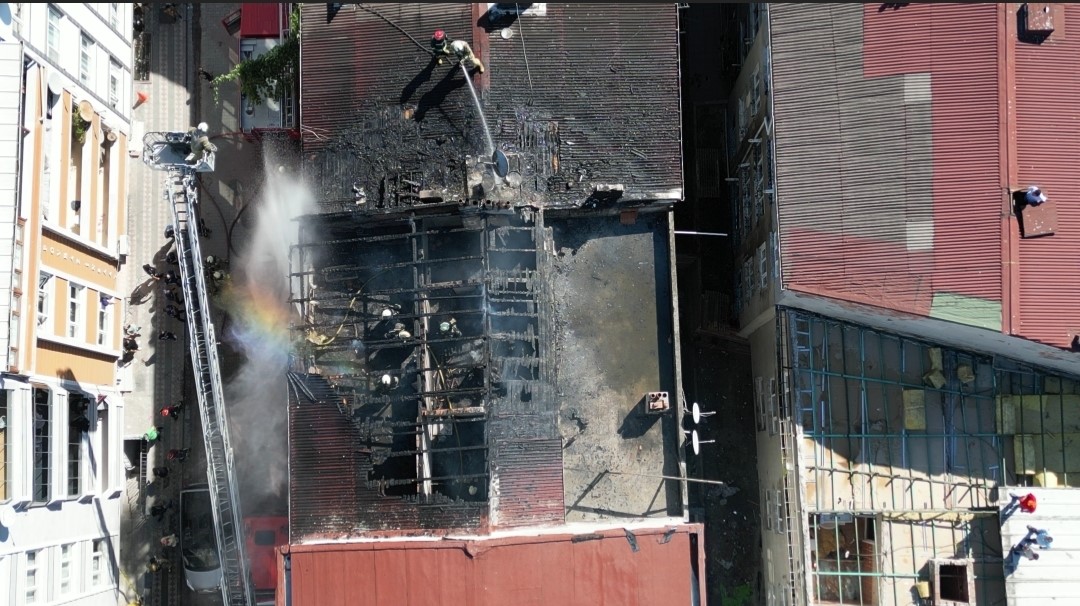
{"x":590,"y":569}
{"x":897,"y":148}
{"x":262,"y":20}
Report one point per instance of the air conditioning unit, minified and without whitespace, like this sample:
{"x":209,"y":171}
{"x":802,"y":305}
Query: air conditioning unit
{"x":123,"y":246}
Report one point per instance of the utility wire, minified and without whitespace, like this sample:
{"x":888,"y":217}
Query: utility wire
{"x":397,"y":27}
{"x":521,"y":32}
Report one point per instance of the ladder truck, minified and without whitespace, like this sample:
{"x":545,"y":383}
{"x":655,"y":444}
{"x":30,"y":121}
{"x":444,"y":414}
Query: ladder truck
{"x":168,"y":152}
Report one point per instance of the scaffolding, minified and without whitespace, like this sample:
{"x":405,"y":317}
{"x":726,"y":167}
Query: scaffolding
{"x":898,"y":449}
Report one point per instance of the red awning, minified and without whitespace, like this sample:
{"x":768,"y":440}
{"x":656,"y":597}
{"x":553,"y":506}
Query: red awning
{"x":261,"y":20}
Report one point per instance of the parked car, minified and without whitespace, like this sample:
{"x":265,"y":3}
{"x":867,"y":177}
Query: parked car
{"x":263,"y":534}
{"x":198,"y":541}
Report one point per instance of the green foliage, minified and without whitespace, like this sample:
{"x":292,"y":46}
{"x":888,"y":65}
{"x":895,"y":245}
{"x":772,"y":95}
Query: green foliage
{"x":271,"y":75}
{"x":79,"y":127}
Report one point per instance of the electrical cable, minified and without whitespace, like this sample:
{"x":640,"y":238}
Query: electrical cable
{"x":524,"y":53}
{"x":397,"y":27}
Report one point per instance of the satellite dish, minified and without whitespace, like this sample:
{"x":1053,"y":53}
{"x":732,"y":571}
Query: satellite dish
{"x":56,"y":83}
{"x":502,"y":165}
{"x":86,"y":110}
{"x":7,"y":516}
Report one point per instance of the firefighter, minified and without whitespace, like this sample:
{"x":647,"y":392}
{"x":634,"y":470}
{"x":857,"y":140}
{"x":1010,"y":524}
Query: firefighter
{"x":440,"y":45}
{"x":464,"y":52}
{"x":199,"y":144}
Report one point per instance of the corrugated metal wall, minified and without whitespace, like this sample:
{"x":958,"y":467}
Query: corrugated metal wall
{"x":530,"y":480}
{"x":1048,"y":151}
{"x":887,"y":152}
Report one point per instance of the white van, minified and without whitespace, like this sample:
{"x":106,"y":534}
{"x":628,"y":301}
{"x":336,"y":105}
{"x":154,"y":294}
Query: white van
{"x":198,"y":542}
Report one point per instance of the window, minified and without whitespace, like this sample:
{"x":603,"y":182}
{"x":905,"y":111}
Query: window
{"x":65,"y":568}
{"x":52,"y":39}
{"x":42,"y":488}
{"x":748,"y":280}
{"x":755,"y":92}
{"x":44,"y":303}
{"x":32,"y":584}
{"x":97,"y":562}
{"x":759,"y":184}
{"x":75,"y":312}
{"x":15,"y":329}
{"x":78,"y":425}
{"x":114,"y":82}
{"x":104,"y":327}
{"x":763,"y":265}
{"x":746,"y":197}
{"x":114,"y":15}
{"x":86,"y":56}
{"x":759,"y":401}
{"x":5,"y":471}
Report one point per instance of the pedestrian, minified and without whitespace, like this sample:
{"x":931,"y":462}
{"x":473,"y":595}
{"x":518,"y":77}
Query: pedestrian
{"x":172,"y":295}
{"x":130,"y":344}
{"x":175,"y":313}
{"x":170,"y":232}
{"x":170,"y":540}
{"x":178,"y":454}
{"x":165,"y":335}
{"x":156,"y":565}
{"x":171,"y":410}
{"x":161,"y":472}
{"x":153,"y":434}
{"x":171,"y":278}
{"x":150,"y":271}
{"x":171,"y":258}
{"x":158,"y":511}
{"x":204,"y":231}
{"x":205,"y":75}
{"x":171,"y":11}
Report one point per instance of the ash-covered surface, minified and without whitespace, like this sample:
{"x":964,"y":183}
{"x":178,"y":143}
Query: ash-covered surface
{"x":537,"y":391}
{"x":584,"y":97}
{"x":613,"y":343}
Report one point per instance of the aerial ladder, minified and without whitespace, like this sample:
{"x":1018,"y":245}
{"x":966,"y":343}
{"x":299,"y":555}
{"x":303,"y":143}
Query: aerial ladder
{"x":167,"y":152}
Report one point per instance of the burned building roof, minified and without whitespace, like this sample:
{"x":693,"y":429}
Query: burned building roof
{"x":482,"y":369}
{"x":478,"y":346}
{"x":581,"y":98}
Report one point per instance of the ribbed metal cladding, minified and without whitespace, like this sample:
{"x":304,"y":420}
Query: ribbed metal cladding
{"x":330,"y":495}
{"x":530,"y":481}
{"x":887,"y":151}
{"x":607,"y":75}
{"x":323,"y":459}
{"x":1048,"y":151}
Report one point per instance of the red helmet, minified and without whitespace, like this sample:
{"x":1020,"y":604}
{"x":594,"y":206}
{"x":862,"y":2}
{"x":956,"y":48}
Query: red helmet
{"x":439,"y":35}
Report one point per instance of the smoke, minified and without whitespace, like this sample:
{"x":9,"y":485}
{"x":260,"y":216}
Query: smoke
{"x":257,"y":301}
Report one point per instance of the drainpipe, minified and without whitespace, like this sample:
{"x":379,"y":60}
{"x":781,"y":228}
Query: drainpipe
{"x":8,"y":362}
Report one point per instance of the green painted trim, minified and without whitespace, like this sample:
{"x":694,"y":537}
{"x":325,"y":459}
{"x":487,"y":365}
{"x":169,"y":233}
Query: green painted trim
{"x":962,"y":309}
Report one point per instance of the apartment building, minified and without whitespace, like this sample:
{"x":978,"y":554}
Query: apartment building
{"x":65,"y":109}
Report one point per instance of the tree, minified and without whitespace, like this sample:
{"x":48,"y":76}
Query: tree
{"x":271,"y":75}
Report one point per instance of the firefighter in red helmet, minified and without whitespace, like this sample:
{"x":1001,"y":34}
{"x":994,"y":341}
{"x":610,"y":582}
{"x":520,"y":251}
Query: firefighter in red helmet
{"x":440,"y":45}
